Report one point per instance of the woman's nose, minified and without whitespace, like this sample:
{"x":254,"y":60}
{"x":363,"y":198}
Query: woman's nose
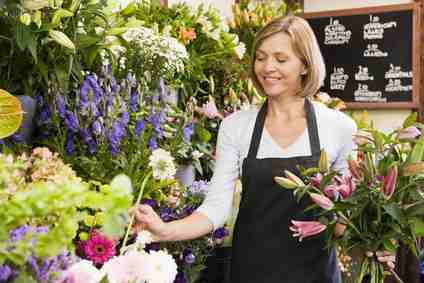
{"x":269,"y":66}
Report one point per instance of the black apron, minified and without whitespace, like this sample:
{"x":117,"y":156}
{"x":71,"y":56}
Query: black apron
{"x":264,"y":249}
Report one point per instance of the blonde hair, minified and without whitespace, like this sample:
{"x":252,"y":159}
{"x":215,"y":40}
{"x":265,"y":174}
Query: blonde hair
{"x":305,"y":46}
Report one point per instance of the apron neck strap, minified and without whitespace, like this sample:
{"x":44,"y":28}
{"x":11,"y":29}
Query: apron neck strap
{"x":311,"y":124}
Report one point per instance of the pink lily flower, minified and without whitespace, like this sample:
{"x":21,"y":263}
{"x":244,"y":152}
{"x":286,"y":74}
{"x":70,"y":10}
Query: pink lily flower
{"x":303,"y":229}
{"x":331,"y":191}
{"x":316,"y":180}
{"x":389,"y":183}
{"x":409,"y":133}
{"x":346,"y":186}
{"x":210,"y":110}
{"x":323,"y":201}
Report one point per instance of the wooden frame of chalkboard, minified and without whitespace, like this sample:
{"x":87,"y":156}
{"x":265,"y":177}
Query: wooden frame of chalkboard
{"x":364,"y":68}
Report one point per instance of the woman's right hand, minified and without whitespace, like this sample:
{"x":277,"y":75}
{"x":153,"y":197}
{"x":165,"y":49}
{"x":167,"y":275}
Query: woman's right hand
{"x":147,"y":219}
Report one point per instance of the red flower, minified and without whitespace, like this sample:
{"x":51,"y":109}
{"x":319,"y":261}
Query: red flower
{"x":98,"y":248}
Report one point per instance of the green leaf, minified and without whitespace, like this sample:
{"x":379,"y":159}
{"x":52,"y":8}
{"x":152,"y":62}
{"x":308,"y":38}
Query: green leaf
{"x":415,"y":210}
{"x":32,"y":47}
{"x":418,"y":227}
{"x":410,"y":120}
{"x":10,"y":114}
{"x":203,"y":134}
{"x":60,"y":13}
{"x":24,"y":277}
{"x":393,"y":210}
{"x":23,"y":36}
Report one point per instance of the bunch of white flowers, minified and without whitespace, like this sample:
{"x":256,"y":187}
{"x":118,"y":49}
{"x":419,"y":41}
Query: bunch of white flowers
{"x":163,"y":53}
{"x":162,"y":164}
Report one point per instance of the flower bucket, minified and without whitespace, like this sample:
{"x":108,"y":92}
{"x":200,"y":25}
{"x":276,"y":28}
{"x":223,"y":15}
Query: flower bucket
{"x":186,"y":174}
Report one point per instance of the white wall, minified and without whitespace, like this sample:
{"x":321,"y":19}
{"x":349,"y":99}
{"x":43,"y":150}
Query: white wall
{"x":384,"y":120}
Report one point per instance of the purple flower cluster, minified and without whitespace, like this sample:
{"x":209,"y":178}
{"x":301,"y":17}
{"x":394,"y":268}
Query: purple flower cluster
{"x":42,"y":269}
{"x":220,"y":233}
{"x":7,"y":273}
{"x":100,"y":112}
{"x":188,"y":132}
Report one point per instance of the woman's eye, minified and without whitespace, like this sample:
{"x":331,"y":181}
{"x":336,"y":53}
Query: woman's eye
{"x":260,"y":58}
{"x":281,"y":60}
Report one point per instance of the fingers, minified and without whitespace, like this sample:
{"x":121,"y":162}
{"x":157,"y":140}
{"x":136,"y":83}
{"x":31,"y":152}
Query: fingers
{"x":386,"y":257}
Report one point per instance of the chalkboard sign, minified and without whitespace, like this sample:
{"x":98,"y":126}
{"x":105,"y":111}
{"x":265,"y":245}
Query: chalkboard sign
{"x":371,"y":55}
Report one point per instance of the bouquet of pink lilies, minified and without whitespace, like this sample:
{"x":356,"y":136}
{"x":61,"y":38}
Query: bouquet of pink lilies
{"x":378,"y":200}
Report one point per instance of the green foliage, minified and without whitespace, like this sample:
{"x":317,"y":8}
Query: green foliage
{"x":60,"y":206}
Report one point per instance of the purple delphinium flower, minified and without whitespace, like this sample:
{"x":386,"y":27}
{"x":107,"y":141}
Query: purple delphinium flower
{"x":18,"y":233}
{"x":150,"y":202}
{"x":134,"y":100}
{"x":17,"y":138}
{"x":83,"y":97}
{"x":88,"y":139}
{"x":71,"y":121}
{"x":6,"y":273}
{"x":156,"y":120}
{"x":61,"y":106}
{"x":115,"y":135}
{"x":220,"y":233}
{"x":187,"y":132}
{"x":97,"y":128}
{"x":180,"y":278}
{"x":139,"y":126}
{"x":69,"y":147}
{"x":152,"y":143}
{"x":188,"y":256}
{"x":97,"y":90}
{"x":43,"y":270}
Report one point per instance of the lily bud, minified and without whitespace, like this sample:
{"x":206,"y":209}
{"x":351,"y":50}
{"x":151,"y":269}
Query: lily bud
{"x":303,"y":229}
{"x":409,"y":133}
{"x":285,"y":183}
{"x":294,"y":178}
{"x":323,"y":201}
{"x":323,"y":162}
{"x":389,"y":182}
{"x":354,"y":169}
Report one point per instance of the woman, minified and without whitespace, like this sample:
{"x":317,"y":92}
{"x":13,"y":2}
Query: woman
{"x":288,"y":131}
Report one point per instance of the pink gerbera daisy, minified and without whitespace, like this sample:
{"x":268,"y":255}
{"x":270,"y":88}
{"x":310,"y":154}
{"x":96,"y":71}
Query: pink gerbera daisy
{"x":98,"y":248}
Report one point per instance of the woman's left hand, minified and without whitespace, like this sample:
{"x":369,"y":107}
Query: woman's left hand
{"x":387,"y":258}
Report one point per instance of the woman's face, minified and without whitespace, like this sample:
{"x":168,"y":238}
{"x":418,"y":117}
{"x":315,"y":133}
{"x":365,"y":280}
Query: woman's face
{"x":277,"y":67}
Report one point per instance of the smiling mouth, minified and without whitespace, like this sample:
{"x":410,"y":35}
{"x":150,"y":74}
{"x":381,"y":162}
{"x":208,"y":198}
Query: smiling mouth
{"x":271,"y":79}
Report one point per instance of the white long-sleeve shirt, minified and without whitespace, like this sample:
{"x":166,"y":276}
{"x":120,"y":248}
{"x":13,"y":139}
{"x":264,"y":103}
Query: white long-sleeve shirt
{"x":335,"y":130}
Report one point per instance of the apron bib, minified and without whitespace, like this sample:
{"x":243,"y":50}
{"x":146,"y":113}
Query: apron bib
{"x":264,"y":249}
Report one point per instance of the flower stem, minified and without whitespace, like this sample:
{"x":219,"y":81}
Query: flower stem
{"x":348,"y":222}
{"x":398,"y":279}
{"x":130,"y":224}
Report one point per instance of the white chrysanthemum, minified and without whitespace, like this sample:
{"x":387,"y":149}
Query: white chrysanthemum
{"x":162,"y":164}
{"x":240,"y":50}
{"x":161,"y":267}
{"x":82,"y":271}
{"x":130,"y":267}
